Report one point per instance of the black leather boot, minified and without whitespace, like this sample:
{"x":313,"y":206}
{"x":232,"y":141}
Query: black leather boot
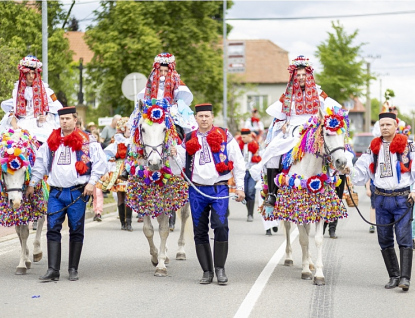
{"x":406,"y":267}
{"x":75,"y":249}
{"x":271,"y":197}
{"x":332,"y":229}
{"x":392,"y":266}
{"x":204,"y":255}
{"x":172,"y":221}
{"x":220,"y":251}
{"x":250,"y":207}
{"x":121,"y":213}
{"x":128,"y":214}
{"x":54,"y":261}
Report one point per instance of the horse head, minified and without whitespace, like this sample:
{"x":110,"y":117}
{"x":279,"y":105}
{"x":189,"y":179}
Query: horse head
{"x":334,"y":133}
{"x":153,"y":128}
{"x":17,"y":154}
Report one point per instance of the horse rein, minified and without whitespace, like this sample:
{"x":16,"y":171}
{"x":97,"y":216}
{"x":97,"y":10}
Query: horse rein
{"x":153,"y":148}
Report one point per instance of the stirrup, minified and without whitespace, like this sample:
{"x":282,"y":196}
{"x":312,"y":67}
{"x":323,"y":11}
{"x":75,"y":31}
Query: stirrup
{"x":270,"y":200}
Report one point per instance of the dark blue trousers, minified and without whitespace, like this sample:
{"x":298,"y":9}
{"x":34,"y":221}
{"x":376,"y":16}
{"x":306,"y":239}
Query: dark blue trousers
{"x":249,"y":185}
{"x":388,"y":210}
{"x":202,"y":207}
{"x":76,"y":214}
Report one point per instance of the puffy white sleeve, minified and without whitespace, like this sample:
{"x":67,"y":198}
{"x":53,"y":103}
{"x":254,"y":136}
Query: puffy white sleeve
{"x":40,"y":168}
{"x":361,"y":174}
{"x":235,"y":155}
{"x":98,"y":161}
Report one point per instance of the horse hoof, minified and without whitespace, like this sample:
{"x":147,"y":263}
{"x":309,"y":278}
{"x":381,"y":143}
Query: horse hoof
{"x":288,"y":262}
{"x":37,"y":257}
{"x":28,"y":264}
{"x":161,"y":272}
{"x":306,"y":276}
{"x":20,"y":271}
{"x":311,"y":267}
{"x":181,"y":256}
{"x":319,"y":281}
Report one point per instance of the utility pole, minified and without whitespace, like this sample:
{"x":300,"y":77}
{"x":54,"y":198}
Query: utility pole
{"x":80,"y":94}
{"x":225,"y":68}
{"x":368,"y":108}
{"x":45,"y":40}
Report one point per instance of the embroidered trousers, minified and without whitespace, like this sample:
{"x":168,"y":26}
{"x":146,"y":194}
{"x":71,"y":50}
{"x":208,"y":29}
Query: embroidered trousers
{"x":76,"y":214}
{"x":203,"y":207}
{"x":388,"y":210}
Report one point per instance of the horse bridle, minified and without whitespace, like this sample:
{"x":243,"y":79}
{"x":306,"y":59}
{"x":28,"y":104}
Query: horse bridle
{"x":11,"y":189}
{"x":153,"y":148}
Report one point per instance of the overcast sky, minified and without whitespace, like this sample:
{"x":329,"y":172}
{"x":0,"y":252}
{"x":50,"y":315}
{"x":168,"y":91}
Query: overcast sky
{"x":390,"y":38}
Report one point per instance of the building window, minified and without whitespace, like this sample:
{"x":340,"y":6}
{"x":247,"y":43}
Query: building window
{"x":259,"y":102}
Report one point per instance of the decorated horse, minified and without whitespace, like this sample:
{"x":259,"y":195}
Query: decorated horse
{"x":17,"y":157}
{"x":307,"y":184}
{"x":153,"y":190}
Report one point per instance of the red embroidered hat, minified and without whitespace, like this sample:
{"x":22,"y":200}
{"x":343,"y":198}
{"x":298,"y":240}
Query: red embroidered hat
{"x":203,"y":107}
{"x":67,"y":110}
{"x":245,"y":131}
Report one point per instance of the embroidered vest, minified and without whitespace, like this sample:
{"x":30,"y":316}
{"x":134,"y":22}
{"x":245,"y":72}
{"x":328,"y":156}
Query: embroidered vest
{"x":216,"y":155}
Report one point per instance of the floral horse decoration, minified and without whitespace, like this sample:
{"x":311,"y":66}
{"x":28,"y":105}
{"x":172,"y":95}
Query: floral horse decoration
{"x":153,"y":190}
{"x":17,"y":156}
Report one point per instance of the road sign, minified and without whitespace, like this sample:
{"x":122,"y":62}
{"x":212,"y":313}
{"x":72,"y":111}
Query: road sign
{"x":236,"y":57}
{"x":132,"y":84}
{"x":104,"y":121}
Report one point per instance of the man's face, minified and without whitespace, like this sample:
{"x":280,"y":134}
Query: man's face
{"x":205,"y":120}
{"x":30,"y":76}
{"x":67,"y":122}
{"x":301,"y":75}
{"x":164,"y":70}
{"x":246,"y":138}
{"x":255,"y":114}
{"x":388,"y":127}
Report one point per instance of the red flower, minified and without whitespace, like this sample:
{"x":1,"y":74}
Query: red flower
{"x":132,"y":170}
{"x":230,"y":165}
{"x":81,"y":167}
{"x":375,"y":145}
{"x":214,"y":139}
{"x":398,"y":144}
{"x":253,"y":147}
{"x":192,"y":146}
{"x":256,"y":159}
{"x":74,"y":140}
{"x":221,"y":167}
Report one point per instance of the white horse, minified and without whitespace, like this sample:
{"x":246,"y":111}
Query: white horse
{"x":152,"y":188}
{"x":322,"y":146}
{"x":18,"y":152}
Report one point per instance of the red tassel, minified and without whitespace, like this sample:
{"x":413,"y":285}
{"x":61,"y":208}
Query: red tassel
{"x":240,"y":142}
{"x":221,"y":167}
{"x":375,"y":145}
{"x":398,"y":144}
{"x":230,"y":165}
{"x":81,"y":167}
{"x":192,"y":146}
{"x":54,"y":139}
{"x":256,"y":159}
{"x":74,"y":140}
{"x":372,"y":167}
{"x":214,"y":139}
{"x":253,"y":147}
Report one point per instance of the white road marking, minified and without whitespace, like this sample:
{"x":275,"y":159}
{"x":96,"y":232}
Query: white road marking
{"x":256,"y":290}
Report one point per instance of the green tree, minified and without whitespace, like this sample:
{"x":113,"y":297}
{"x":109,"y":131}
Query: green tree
{"x":343,"y":74}
{"x":21,"y":29}
{"x":129,"y":34}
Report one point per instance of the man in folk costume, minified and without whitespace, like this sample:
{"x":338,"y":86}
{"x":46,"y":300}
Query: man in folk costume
{"x":34,"y":105}
{"x":74,"y":161}
{"x":301,"y":100}
{"x":255,"y":124}
{"x":388,"y":162}
{"x":208,"y":156}
{"x":250,"y":151}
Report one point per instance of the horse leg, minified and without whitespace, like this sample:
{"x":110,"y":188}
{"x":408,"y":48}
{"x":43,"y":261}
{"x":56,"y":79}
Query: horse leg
{"x":288,"y":250}
{"x":303,"y":230}
{"x":319,"y":276}
{"x":184,"y":215}
{"x":161,"y":270}
{"x":37,"y":250}
{"x":23,"y":233}
{"x":310,"y":261}
{"x":149,"y":233}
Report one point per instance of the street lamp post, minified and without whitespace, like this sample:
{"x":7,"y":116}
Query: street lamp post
{"x":225,"y":69}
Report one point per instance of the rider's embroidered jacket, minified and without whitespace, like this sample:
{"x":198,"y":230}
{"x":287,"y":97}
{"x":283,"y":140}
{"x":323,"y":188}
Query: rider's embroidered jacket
{"x":388,"y":164}
{"x":63,"y":173}
{"x":204,"y":170}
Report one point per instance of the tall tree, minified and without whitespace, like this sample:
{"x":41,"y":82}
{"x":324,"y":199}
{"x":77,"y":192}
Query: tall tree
{"x":343,"y":74}
{"x":129,"y":34}
{"x":21,"y":29}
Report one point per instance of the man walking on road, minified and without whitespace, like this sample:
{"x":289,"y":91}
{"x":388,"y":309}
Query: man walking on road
{"x":209,"y":155}
{"x":74,"y":161}
{"x":388,"y":162}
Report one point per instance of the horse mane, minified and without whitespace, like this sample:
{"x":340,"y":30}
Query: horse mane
{"x":311,"y":139}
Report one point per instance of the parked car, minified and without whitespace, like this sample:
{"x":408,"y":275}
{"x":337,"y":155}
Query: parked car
{"x":361,"y":142}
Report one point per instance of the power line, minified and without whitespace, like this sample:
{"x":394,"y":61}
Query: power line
{"x":326,"y":17}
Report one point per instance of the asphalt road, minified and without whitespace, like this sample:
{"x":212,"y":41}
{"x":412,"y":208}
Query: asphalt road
{"x":116,"y":276}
